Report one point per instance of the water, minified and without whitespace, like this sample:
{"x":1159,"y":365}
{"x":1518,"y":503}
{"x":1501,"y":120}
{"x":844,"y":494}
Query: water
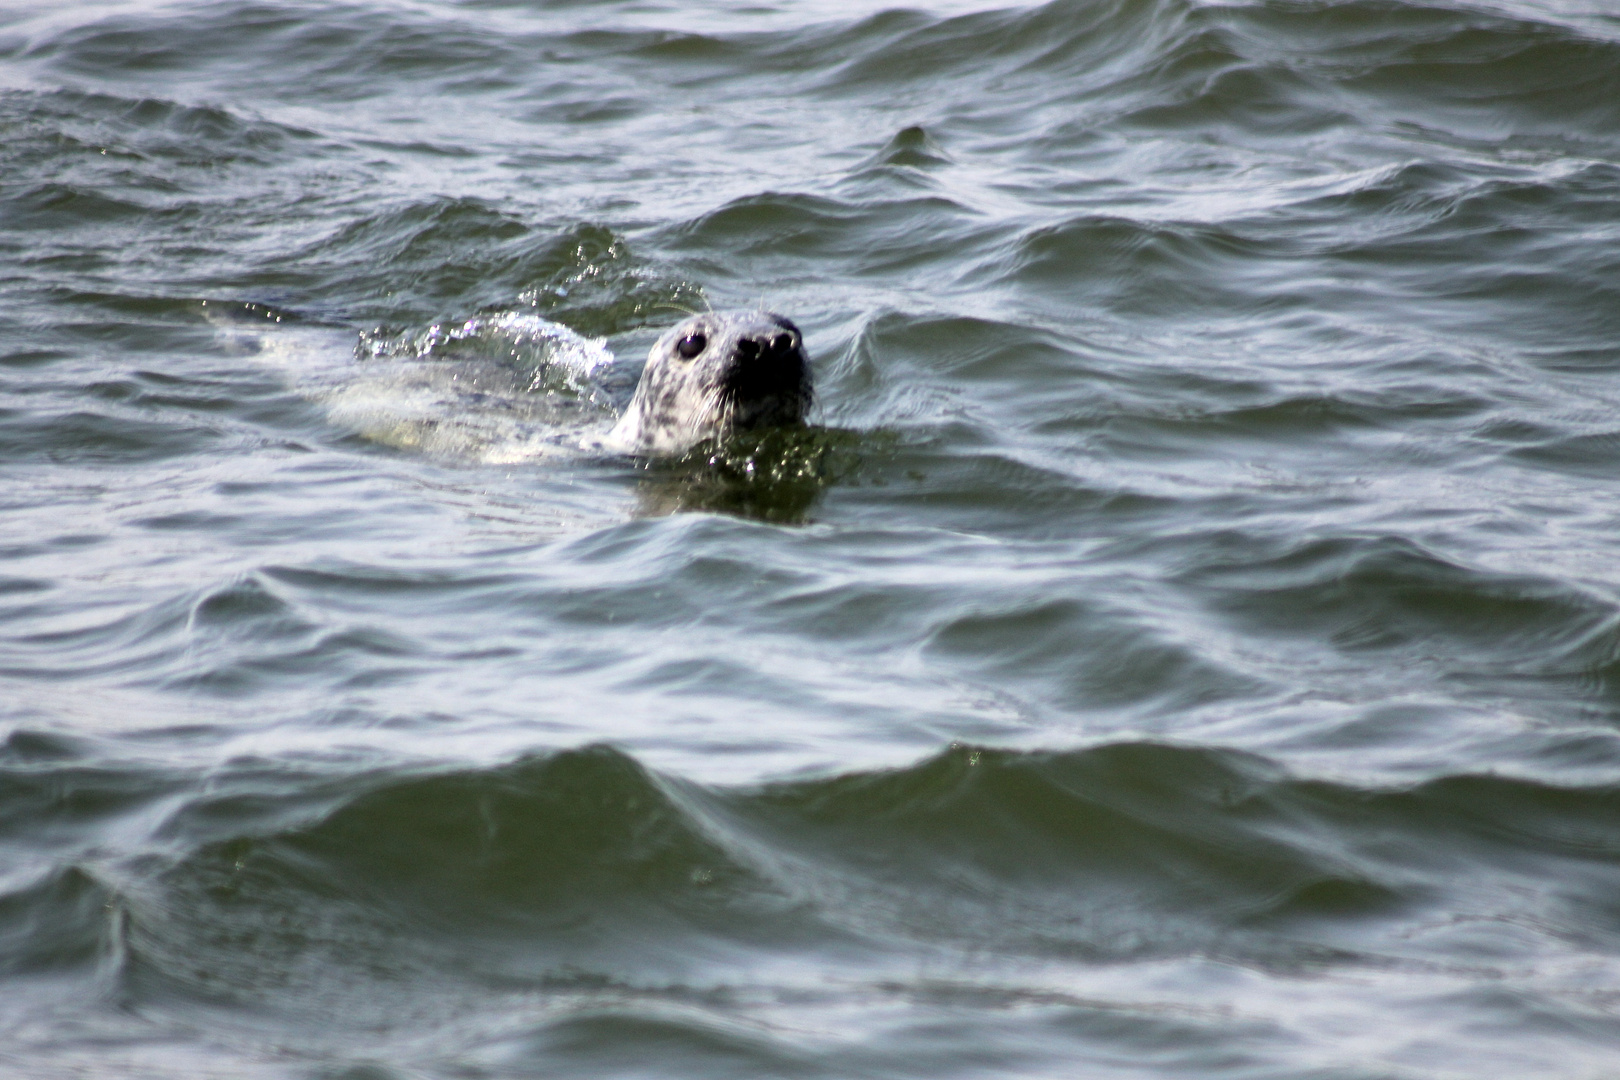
{"x":1186,"y":644}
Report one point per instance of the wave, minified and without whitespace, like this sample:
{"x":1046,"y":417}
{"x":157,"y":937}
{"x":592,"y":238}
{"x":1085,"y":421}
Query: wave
{"x":1268,"y":67}
{"x":131,"y":134}
{"x":1388,"y":592}
{"x":443,"y":256}
{"x":336,"y":51}
{"x":585,"y":858}
{"x":82,"y":163}
{"x":577,"y":897}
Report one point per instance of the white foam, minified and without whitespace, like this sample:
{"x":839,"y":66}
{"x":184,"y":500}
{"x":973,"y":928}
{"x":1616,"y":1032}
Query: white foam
{"x":497,"y":388}
{"x":521,"y":337}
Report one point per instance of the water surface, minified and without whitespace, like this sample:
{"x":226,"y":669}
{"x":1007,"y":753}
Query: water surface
{"x":1187,"y":643}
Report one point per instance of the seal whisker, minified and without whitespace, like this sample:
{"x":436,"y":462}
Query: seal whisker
{"x":714,"y":374}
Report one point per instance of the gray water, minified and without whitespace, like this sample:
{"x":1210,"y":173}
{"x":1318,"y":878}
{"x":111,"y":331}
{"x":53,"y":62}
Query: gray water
{"x":1186,"y":642}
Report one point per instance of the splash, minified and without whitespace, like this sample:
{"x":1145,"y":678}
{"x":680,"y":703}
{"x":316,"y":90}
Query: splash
{"x":556,"y":356}
{"x":500,"y":387}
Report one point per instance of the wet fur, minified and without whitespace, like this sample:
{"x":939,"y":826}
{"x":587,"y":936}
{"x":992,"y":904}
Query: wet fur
{"x":738,"y":382}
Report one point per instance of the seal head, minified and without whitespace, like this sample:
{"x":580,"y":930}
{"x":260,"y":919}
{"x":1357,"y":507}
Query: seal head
{"x":712,"y":375}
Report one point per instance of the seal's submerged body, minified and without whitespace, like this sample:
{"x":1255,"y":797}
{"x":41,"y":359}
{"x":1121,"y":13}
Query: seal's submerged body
{"x":712,"y":375}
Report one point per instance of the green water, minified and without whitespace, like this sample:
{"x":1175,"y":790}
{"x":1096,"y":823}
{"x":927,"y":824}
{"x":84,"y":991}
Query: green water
{"x":1185,"y":643}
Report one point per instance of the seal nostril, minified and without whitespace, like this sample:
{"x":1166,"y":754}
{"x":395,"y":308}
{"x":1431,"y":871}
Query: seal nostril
{"x":748,"y":348}
{"x":782,"y":344}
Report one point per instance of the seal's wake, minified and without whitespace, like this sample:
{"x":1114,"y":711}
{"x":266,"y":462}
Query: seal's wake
{"x":500,"y":388}
{"x":508,"y":387}
{"x":497,"y":388}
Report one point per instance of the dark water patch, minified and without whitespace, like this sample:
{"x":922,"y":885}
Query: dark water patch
{"x":384,"y":582}
{"x":25,"y":745}
{"x":341,"y":53}
{"x":133,"y":139}
{"x":529,"y":868}
{"x":1075,"y":42}
{"x":1596,"y":455}
{"x":571,"y":895}
{"x":1116,"y":815}
{"x":112,"y":639}
{"x":110,"y":339}
{"x":450,"y":257}
{"x":969,"y":488}
{"x":53,"y":206}
{"x":190,"y":521}
{"x":942,"y":382}
{"x":618,"y":1042}
{"x":565,"y":839}
{"x":1504,"y":74}
{"x":27,"y":358}
{"x":1134,"y":847}
{"x":12,"y":586}
{"x":450,"y":59}
{"x":347,"y":658}
{"x":1089,"y":658}
{"x":137,"y":47}
{"x":60,"y":923}
{"x":681,"y":49}
{"x":1214,"y":83}
{"x":50,"y":800}
{"x":986,"y":353}
{"x":879,"y":237}
{"x":155,"y":390}
{"x":910,"y":148}
{"x":88,"y":436}
{"x":1391,"y":595}
{"x":62,"y":542}
{"x":250,"y":797}
{"x":1259,"y":70}
{"x":1138,"y":267}
{"x":773,"y":475}
{"x":1298,"y":423}
{"x":435,"y":254}
{"x":248,"y":605}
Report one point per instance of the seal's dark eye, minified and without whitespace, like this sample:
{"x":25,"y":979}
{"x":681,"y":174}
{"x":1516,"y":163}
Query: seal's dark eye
{"x":690,"y":345}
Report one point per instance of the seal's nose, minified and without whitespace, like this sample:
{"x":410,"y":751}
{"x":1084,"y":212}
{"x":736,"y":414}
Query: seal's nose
{"x":778,"y":346}
{"x":767,"y":364}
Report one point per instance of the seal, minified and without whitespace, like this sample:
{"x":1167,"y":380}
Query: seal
{"x":712,"y":375}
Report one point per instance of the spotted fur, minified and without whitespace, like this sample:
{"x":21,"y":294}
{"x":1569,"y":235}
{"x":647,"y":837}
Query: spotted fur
{"x":751,"y":371}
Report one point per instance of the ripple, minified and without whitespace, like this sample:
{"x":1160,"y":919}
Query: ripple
{"x":1187,"y":634}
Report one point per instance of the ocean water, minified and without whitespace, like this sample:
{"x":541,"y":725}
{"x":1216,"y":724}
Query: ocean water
{"x":1185,"y":644}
